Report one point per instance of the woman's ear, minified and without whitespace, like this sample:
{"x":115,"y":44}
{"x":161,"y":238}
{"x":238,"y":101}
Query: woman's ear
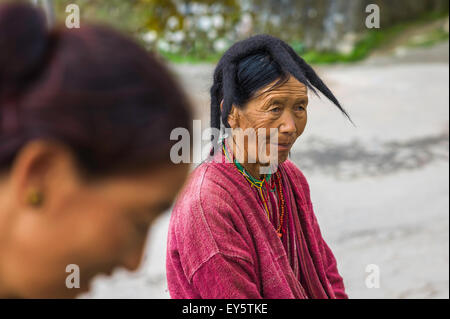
{"x":42,"y":171}
{"x":233,"y":117}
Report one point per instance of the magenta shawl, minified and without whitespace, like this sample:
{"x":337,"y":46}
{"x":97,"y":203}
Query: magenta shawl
{"x":222,"y":245}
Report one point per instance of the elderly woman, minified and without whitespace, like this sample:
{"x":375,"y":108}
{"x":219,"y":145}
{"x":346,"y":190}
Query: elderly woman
{"x":85,"y":119}
{"x":238,"y":233}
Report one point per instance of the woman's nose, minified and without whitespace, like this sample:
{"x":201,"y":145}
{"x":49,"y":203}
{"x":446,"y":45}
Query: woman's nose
{"x":133,"y":260}
{"x":288,"y":123}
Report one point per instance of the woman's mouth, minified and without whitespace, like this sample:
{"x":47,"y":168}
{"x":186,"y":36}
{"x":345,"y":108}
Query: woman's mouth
{"x":284,"y":146}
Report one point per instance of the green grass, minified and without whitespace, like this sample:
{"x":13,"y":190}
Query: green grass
{"x":373,"y":39}
{"x":376,"y":38}
{"x":429,"y":39}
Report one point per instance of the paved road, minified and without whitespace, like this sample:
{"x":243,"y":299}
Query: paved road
{"x":380,"y":189}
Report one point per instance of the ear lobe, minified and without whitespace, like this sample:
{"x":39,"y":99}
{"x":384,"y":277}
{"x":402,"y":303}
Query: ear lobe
{"x":233,"y":117}
{"x":44,"y":166}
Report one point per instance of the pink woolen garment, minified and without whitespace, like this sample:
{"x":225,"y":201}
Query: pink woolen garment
{"x":222,"y":245}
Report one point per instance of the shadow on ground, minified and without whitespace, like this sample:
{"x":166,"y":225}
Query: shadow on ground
{"x":355,"y":159}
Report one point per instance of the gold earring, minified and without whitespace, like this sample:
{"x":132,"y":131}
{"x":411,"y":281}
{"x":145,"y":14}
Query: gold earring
{"x":35,"y":198}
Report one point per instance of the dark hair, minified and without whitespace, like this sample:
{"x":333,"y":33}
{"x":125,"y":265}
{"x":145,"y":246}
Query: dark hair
{"x":251,"y":64}
{"x":91,"y":88}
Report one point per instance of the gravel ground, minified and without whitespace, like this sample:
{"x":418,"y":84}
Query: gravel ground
{"x":380,"y":189}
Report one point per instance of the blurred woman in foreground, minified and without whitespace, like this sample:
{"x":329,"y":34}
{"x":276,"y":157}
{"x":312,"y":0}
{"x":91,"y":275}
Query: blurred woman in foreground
{"x":85,"y":120}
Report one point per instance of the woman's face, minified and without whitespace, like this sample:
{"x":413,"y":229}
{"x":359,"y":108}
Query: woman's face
{"x":96,"y":225}
{"x":282,"y":108}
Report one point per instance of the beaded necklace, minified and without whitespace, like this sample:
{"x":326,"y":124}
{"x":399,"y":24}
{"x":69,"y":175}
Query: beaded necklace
{"x":258,"y":184}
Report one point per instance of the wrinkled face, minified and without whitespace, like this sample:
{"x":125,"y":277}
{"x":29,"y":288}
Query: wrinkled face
{"x":282,"y":108}
{"x":97,"y":225}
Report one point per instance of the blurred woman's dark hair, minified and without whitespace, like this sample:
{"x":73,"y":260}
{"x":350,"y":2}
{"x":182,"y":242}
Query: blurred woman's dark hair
{"x":252,"y":64}
{"x":93,"y":89}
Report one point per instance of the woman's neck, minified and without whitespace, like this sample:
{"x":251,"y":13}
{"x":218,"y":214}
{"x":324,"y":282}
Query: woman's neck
{"x":241,"y":155}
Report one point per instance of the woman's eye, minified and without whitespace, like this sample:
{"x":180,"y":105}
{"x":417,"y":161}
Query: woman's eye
{"x":275,"y":109}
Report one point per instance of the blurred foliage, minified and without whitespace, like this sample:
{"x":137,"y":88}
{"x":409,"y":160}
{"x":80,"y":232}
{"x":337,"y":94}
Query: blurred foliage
{"x":196,"y":29}
{"x":201,"y":30}
{"x":430,"y":39}
{"x":378,"y":38}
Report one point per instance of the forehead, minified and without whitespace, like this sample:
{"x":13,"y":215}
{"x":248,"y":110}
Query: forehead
{"x":292,"y":88}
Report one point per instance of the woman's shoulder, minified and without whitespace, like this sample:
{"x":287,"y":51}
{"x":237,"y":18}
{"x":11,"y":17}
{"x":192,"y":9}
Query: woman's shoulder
{"x":203,"y":221}
{"x":298,"y":181}
{"x":294,"y":171}
{"x":208,"y":182}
